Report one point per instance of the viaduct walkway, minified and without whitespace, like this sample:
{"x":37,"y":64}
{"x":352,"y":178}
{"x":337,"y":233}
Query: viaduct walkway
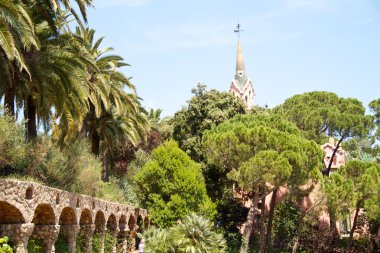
{"x":33,"y":211}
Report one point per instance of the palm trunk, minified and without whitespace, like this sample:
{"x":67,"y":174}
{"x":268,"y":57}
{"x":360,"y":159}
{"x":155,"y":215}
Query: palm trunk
{"x":105,"y":172}
{"x":9,"y":104}
{"x":95,"y":143}
{"x":30,"y":116}
{"x":268,"y":241}
{"x":262,"y":226}
{"x":353,"y":227}
{"x":248,"y":225}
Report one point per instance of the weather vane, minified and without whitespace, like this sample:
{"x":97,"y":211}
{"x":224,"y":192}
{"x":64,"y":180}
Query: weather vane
{"x":238,"y":30}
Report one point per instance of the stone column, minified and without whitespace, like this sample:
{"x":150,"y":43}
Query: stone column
{"x":18,"y":234}
{"x":71,"y":233}
{"x":101,"y":231}
{"x":132,"y":239}
{"x":49,"y":235}
{"x":123,"y":235}
{"x":115,"y":234}
{"x":88,"y":232}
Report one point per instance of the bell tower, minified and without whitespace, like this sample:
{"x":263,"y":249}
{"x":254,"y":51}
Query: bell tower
{"x":241,"y":85}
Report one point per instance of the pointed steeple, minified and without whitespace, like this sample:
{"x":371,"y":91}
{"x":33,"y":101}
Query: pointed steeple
{"x":240,"y":69}
{"x":241,"y":85}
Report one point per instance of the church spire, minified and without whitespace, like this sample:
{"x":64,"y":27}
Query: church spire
{"x":241,"y":85}
{"x":240,"y":69}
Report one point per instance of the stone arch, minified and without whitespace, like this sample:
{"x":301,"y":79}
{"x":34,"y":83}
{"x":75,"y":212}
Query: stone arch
{"x":111,"y":222}
{"x":140,"y":229}
{"x":67,"y":217}
{"x":122,"y":223}
{"x":68,"y":229}
{"x":100,"y":221}
{"x":45,"y":232}
{"x":10,"y":214}
{"x":85,"y":217}
{"x":146,"y":222}
{"x":140,"y":222}
{"x":44,"y":215}
{"x":131,"y":222}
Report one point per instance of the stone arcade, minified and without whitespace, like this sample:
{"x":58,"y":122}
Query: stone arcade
{"x":30,"y":210}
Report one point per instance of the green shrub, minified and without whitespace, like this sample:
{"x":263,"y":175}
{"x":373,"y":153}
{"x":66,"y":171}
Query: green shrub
{"x":109,"y":241}
{"x":172,"y":186}
{"x":35,"y":245}
{"x":4,"y":246}
{"x":13,"y":149}
{"x":193,"y":234}
{"x":61,"y":245}
{"x":80,"y":243}
{"x":95,"y":243}
{"x":111,"y":191}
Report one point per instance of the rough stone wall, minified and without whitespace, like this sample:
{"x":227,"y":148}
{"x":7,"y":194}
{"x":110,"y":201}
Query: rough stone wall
{"x":43,"y":209}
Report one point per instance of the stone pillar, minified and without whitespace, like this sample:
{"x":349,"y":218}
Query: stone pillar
{"x":18,"y":234}
{"x":88,"y":232}
{"x":71,"y":233}
{"x":101,"y":231}
{"x":132,"y":239}
{"x":115,"y":234}
{"x":123,"y":246}
{"x":49,"y":235}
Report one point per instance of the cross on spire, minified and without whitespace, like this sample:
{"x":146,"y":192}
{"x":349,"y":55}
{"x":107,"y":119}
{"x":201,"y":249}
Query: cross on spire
{"x":238,"y":30}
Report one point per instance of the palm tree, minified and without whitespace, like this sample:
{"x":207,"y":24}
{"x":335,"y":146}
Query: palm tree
{"x":157,"y":240}
{"x":16,"y":35}
{"x":16,"y":30}
{"x":56,"y":84}
{"x":113,"y":116}
{"x":196,"y":234}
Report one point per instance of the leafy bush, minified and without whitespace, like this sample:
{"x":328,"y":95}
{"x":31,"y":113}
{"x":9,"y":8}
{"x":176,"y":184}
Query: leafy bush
{"x":285,"y":225}
{"x":193,"y":234}
{"x":61,"y":245}
{"x":13,"y":148}
{"x":111,"y":191}
{"x":35,"y":245}
{"x":172,"y":186}
{"x":4,"y":246}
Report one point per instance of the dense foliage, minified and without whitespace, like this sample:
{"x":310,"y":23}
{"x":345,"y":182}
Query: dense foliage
{"x":172,"y":186}
{"x":192,"y":234}
{"x":72,"y":119}
{"x":205,"y":110}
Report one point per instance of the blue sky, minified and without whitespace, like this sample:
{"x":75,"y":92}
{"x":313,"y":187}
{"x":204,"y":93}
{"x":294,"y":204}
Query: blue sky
{"x":289,"y":46}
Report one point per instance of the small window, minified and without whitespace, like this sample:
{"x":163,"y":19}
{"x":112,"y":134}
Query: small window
{"x":57,"y":199}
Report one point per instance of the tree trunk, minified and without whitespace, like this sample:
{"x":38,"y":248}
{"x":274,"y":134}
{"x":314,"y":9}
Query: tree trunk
{"x":333,"y":155}
{"x":268,"y":240}
{"x":262,"y":226}
{"x":30,"y":116}
{"x":105,"y":172}
{"x":333,"y":227}
{"x":298,"y":235}
{"x":353,"y":227}
{"x":248,"y":225}
{"x":95,"y":143}
{"x":9,"y":97}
